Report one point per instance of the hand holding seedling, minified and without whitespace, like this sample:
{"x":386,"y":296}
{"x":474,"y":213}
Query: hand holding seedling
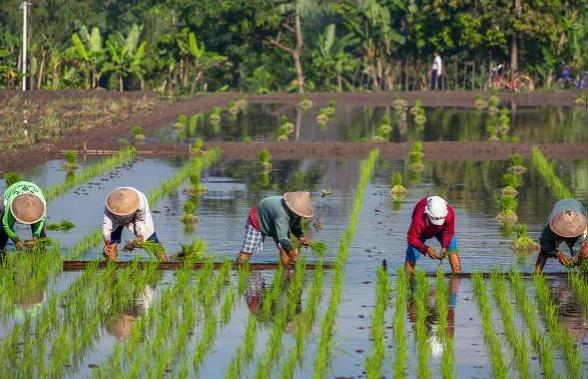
{"x":305,"y":241}
{"x":561,"y":257}
{"x":19,"y":244}
{"x":432,"y":253}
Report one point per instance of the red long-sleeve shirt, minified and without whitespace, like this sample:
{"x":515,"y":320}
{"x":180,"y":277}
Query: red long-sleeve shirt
{"x":421,"y":227}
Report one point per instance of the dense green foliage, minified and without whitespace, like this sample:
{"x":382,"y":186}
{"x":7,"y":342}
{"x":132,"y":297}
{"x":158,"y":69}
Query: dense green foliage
{"x":185,"y":46}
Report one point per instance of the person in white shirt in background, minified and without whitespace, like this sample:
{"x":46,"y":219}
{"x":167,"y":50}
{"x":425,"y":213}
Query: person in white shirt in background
{"x":436,"y":72}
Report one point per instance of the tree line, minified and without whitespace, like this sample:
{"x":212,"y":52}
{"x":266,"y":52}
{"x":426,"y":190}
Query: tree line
{"x":187,"y":46}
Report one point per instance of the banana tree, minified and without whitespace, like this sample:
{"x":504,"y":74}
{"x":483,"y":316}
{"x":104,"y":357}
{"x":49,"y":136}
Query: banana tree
{"x":126,"y":56}
{"x":89,"y":48}
{"x":9,"y":50}
{"x":196,"y":61}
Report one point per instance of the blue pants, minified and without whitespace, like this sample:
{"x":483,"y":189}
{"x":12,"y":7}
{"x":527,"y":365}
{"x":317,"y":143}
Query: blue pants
{"x":412,"y":254}
{"x":116,"y":235}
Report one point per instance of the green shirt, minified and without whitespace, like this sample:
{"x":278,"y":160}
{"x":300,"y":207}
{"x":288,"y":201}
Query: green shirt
{"x":8,"y":219}
{"x":549,"y":240}
{"x":276,"y":221}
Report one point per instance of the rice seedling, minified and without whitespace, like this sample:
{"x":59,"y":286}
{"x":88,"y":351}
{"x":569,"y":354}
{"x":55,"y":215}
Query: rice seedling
{"x":579,"y":285}
{"x":138,"y":133}
{"x":523,"y":241}
{"x":12,"y":177}
{"x":71,"y":160}
{"x":547,"y":172}
{"x":215,"y":116}
{"x":491,"y":339}
{"x":400,"y":344}
{"x":264,"y":158}
{"x":420,"y":332}
{"x":193,"y":125}
{"x":480,"y":103}
{"x":232,"y":107}
{"x":417,"y":107}
{"x":154,"y":249}
{"x":442,"y":305}
{"x":197,"y":147}
{"x":581,"y":100}
{"x":517,"y":164}
{"x":397,"y":190}
{"x":305,"y":103}
{"x":511,"y":183}
{"x":242,"y":104}
{"x":63,"y":225}
{"x":189,"y":216}
{"x":196,"y":188}
{"x":383,"y":131}
{"x":516,"y":339}
{"x":415,"y":157}
{"x":373,"y":363}
{"x":318,"y":248}
{"x":122,"y":157}
{"x":193,"y":252}
{"x":560,"y":335}
{"x":328,"y":321}
{"x":322,"y":118}
{"x":507,"y":206}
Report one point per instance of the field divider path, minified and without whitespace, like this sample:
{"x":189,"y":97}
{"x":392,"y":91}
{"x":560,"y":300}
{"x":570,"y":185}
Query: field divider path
{"x":328,"y":322}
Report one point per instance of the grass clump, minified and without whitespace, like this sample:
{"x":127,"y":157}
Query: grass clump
{"x":63,"y":225}
{"x":12,"y":177}
{"x":71,"y":160}
{"x":138,"y":133}
{"x":523,"y":241}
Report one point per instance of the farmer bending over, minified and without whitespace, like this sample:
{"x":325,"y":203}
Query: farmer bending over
{"x":432,"y":217}
{"x":566,"y":223}
{"x":23,"y":202}
{"x":127,"y":207}
{"x":277,"y":217}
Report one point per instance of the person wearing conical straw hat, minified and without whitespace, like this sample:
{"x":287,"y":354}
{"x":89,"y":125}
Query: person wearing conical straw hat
{"x":566,"y":223}
{"x":127,"y":207}
{"x":432,"y":217}
{"x":23,"y":202}
{"x":278,"y":217}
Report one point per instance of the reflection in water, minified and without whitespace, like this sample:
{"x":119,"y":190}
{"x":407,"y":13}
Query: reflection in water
{"x":431,"y":320}
{"x":119,"y":326}
{"x":570,"y":308}
{"x":257,"y":290}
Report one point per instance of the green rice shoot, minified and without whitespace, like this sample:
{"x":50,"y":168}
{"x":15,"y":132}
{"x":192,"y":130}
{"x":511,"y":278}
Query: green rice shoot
{"x":318,"y":248}
{"x":63,"y":225}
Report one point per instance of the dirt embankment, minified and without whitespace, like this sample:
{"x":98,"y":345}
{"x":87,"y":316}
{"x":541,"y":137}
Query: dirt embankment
{"x":167,"y":111}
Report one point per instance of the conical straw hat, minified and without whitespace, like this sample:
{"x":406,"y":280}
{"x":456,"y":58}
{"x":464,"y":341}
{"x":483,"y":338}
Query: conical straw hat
{"x":27,"y":208}
{"x":123,"y":201}
{"x":568,"y":224}
{"x":299,"y":203}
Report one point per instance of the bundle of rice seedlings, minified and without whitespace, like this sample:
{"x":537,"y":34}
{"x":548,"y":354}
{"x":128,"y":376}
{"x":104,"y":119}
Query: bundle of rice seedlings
{"x":517,"y":164}
{"x":215,"y":115}
{"x":12,"y":177}
{"x":189,"y":209}
{"x":138,"y":133}
{"x":233,"y":108}
{"x":70,"y":160}
{"x":194,"y":251}
{"x":480,"y":102}
{"x":322,"y":118}
{"x":397,"y":188}
{"x":523,"y":241}
{"x":318,"y":248}
{"x":242,"y":104}
{"x":508,"y":206}
{"x":264,"y":158}
{"x":64,"y":225}
{"x":305,"y":103}
{"x":154,"y":249}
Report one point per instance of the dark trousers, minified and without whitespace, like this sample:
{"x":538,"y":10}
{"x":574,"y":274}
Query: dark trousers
{"x":436,"y":79}
{"x":116,"y":236}
{"x":4,"y":236}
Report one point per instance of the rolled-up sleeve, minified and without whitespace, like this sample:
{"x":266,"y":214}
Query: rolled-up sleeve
{"x":107,"y":227}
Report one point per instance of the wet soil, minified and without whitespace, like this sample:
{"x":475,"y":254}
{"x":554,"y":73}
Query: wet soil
{"x":106,"y":137}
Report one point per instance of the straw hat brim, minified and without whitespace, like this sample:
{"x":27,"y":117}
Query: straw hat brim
{"x":123,"y":201}
{"x":568,"y":224}
{"x":299,"y":203}
{"x":28,"y":208}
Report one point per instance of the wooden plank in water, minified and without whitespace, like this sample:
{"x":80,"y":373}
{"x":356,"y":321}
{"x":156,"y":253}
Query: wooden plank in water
{"x":81,"y":265}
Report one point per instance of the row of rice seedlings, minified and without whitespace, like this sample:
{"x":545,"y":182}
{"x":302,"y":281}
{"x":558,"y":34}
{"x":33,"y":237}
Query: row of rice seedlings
{"x":516,"y":340}
{"x":71,"y":160}
{"x":579,"y":283}
{"x":328,"y":322}
{"x":442,"y":305}
{"x":560,"y":335}
{"x":264,"y":159}
{"x":106,"y":165}
{"x":245,"y":351}
{"x":373,"y":363}
{"x":418,"y":111}
{"x":152,"y":332}
{"x":540,"y":340}
{"x":138,"y":133}
{"x":305,"y":322}
{"x":420,"y":332}
{"x":197,"y":163}
{"x":62,"y":225}
{"x":282,"y":316}
{"x":415,"y":157}
{"x":22,"y":275}
{"x":547,"y":172}
{"x":383,"y":131}
{"x":285,"y":129}
{"x":491,"y":339}
{"x":400,"y":338}
{"x":326,"y":113}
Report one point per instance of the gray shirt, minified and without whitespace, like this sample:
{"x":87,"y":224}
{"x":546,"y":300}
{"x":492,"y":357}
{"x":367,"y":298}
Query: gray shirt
{"x":549,"y":240}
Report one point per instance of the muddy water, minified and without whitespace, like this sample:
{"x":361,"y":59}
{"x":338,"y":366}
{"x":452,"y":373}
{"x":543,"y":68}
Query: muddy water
{"x":357,"y":123}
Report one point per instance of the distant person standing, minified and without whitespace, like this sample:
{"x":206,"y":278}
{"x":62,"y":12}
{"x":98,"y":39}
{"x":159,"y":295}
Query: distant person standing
{"x":436,"y":72}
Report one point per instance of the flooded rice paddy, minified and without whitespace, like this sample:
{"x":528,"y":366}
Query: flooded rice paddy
{"x":213,"y":337}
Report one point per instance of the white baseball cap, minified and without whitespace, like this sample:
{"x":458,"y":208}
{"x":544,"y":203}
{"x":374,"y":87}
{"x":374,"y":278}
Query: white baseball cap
{"x":436,"y":210}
